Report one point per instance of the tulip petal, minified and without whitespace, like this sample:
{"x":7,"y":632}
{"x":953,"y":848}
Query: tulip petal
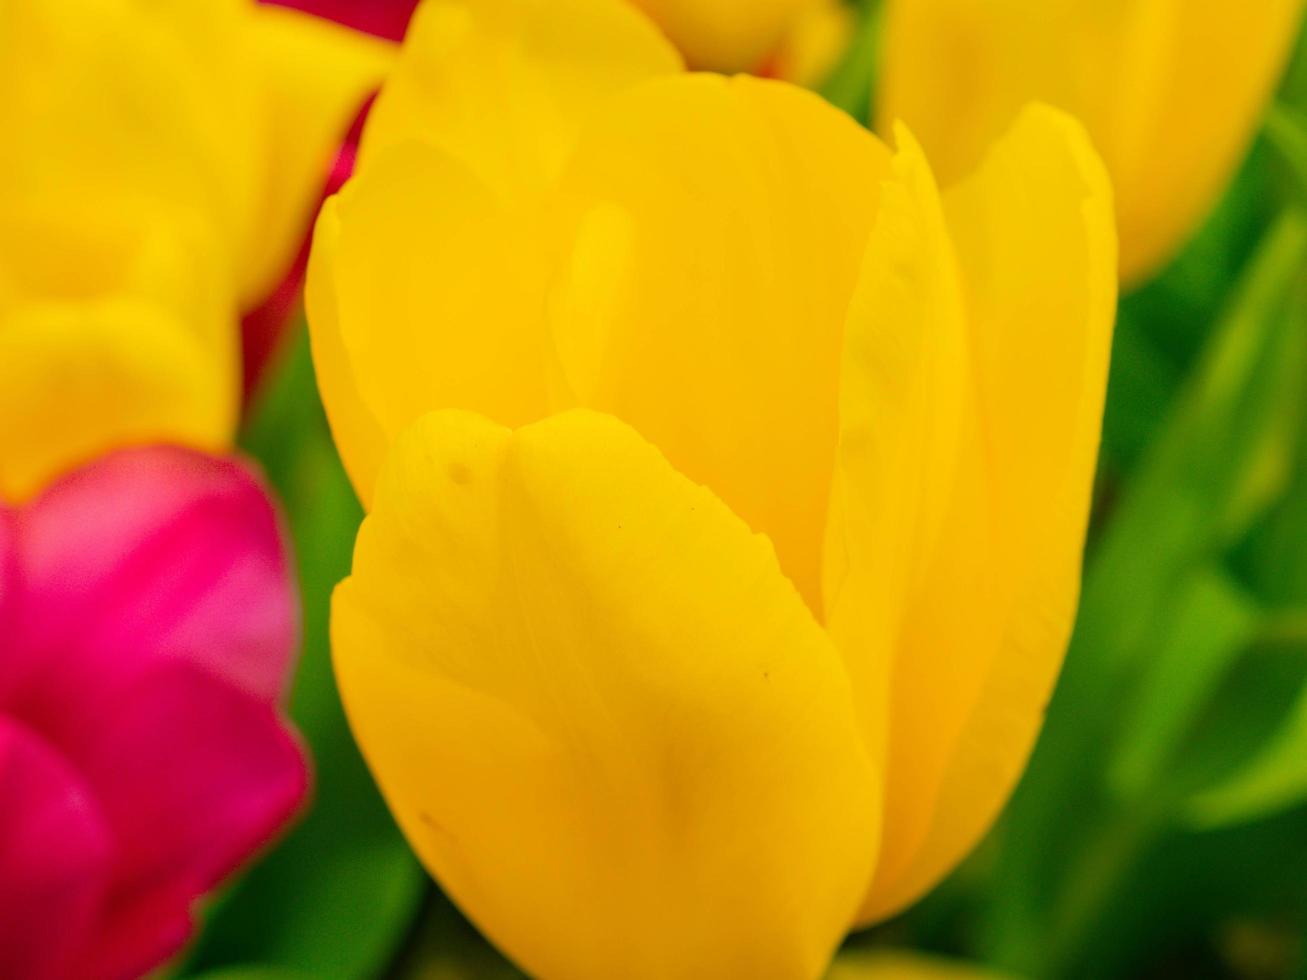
{"x":504,"y":86}
{"x":993,"y":584}
{"x":151,"y":101}
{"x":81,"y":378}
{"x":1171,"y":92}
{"x":392,"y":338}
{"x":317,"y":76}
{"x":153,"y":555}
{"x":54,"y":858}
{"x":601,"y":715}
{"x":755,"y":199}
{"x":193,"y":775}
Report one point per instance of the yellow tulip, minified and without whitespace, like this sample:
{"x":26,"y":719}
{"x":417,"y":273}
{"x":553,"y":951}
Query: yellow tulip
{"x":726,"y":481}
{"x":798,"y":39}
{"x":1171,"y":92}
{"x":162,"y":162}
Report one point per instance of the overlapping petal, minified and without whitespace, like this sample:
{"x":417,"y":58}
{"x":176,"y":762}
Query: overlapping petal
{"x":970,"y":557}
{"x":755,"y":199}
{"x":193,"y":775}
{"x":597,"y":708}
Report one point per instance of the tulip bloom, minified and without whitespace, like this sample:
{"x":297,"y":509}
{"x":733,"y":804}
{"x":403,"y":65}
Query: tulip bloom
{"x":727,"y":484}
{"x":1171,"y":92}
{"x":147,"y":625}
{"x":164,"y":161}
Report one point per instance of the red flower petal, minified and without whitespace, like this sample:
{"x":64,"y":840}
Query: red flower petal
{"x":54,"y":857}
{"x":194,"y":775}
{"x":144,"y":557}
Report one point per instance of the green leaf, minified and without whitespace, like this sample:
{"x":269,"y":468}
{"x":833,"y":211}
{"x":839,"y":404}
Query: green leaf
{"x":1163,"y":328}
{"x":337,"y":897}
{"x":1211,"y":623}
{"x":1275,"y":778}
{"x":851,"y":83}
{"x":1287,"y":132}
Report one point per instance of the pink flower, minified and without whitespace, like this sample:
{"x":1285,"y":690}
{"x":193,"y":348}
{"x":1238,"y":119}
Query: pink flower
{"x":147,"y":625}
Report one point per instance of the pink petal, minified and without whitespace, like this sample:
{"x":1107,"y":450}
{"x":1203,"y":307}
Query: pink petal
{"x":194,"y":776}
{"x":8,"y":573}
{"x":152,"y":555}
{"x":54,"y":857}
{"x":384,"y":18}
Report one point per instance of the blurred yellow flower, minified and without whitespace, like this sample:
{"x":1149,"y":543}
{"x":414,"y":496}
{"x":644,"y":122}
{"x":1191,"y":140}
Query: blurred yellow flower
{"x":727,"y":486}
{"x":795,"y":39}
{"x":1171,"y":92}
{"x":163,"y":160}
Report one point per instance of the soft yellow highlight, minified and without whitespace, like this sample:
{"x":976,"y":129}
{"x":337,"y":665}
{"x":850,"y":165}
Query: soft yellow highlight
{"x":1171,"y":92}
{"x":165,"y":160}
{"x":610,"y":720}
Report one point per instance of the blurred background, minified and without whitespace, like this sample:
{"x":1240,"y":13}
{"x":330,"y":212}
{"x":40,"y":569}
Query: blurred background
{"x":1161,"y":828}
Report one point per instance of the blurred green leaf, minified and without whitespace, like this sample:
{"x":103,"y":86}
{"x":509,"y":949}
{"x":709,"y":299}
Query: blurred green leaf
{"x":1163,"y":328}
{"x":852,"y":81}
{"x":1287,"y":131}
{"x":1222,"y":457}
{"x":338,"y":896}
{"x":1275,"y":778}
{"x":1209,"y":625}
{"x":447,"y":947}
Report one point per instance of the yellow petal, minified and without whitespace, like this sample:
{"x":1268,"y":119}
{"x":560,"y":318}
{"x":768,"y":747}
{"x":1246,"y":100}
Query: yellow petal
{"x":505,"y":85}
{"x":886,"y":965}
{"x":78,"y":380}
{"x":119,"y":98}
{"x":316,"y":76}
{"x":601,"y":715}
{"x":727,"y":35}
{"x":992,"y":551}
{"x":745,"y":208}
{"x":423,"y":293}
{"x":1170,"y":90}
{"x":139,"y":346}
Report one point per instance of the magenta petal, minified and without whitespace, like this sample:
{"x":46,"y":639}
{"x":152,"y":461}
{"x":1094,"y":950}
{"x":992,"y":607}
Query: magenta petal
{"x":54,"y":858}
{"x":158,"y":554}
{"x":194,"y":776}
{"x":384,"y":18}
{"x":8,"y":574}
